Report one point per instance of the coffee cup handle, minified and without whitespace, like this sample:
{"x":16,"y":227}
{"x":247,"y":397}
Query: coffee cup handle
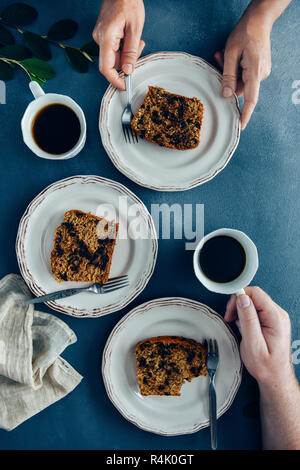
{"x":240,"y":292}
{"x":36,"y":89}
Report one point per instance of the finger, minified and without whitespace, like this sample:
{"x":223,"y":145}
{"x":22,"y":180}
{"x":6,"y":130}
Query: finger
{"x":118,"y":55}
{"x":130,"y":50}
{"x":248,"y":319}
{"x":230,"y":71}
{"x":238,"y":325}
{"x":107,"y":60}
{"x":251,"y":92}
{"x":240,"y":88}
{"x":267,"y":310}
{"x":141,"y":47}
{"x":230,"y":313}
{"x":118,"y":60}
{"x":219,"y":57}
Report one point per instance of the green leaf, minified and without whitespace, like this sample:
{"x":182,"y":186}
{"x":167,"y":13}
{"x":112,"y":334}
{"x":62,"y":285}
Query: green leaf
{"x":15,"y":51}
{"x":91,"y":48}
{"x":40,"y":68}
{"x":77,"y":60}
{"x":38,"y":45}
{"x":6,"y":37}
{"x":6,"y":72}
{"x":19,"y":14}
{"x":62,"y":30}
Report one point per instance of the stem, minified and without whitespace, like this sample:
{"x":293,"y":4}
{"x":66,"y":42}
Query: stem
{"x":10,"y":25}
{"x":17,"y":63}
{"x":91,"y":59}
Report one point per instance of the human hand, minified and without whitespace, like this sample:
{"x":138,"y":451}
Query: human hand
{"x":246,"y":60}
{"x":119,"y":20}
{"x":266,"y":336}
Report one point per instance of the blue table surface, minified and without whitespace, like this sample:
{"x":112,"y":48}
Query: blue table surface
{"x":257,"y":192}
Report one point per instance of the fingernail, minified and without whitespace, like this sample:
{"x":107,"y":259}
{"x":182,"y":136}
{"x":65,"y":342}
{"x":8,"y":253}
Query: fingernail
{"x":243,"y":301}
{"x":227,"y":92}
{"x":127,"y":68}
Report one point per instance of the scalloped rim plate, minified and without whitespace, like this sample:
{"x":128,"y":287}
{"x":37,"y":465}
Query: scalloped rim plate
{"x":170,"y":416}
{"x":135,"y":257}
{"x":161,"y":168}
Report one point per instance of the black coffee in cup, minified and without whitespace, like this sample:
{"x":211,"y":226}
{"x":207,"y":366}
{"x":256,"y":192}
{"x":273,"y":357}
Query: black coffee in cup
{"x":222,"y":259}
{"x":56,"y":129}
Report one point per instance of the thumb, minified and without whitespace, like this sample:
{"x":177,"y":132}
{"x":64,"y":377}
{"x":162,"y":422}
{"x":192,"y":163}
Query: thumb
{"x":130,"y":51}
{"x":230,"y":72}
{"x":248,"y":319}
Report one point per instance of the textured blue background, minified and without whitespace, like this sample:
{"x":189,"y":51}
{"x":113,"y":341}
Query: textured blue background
{"x":257,"y":192}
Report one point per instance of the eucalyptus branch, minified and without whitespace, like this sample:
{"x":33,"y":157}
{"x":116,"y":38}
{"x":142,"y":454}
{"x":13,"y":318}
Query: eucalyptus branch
{"x":35,"y":54}
{"x":51,"y":41}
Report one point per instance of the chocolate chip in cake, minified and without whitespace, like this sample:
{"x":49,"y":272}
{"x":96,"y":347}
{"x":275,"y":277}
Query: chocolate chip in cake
{"x":167,"y":375}
{"x":190,"y":357}
{"x":142,"y":362}
{"x":164,"y":113}
{"x":75,"y":256}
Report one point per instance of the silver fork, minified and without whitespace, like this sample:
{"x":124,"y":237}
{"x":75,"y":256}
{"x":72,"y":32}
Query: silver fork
{"x":109,"y":286}
{"x":212,"y":362}
{"x":129,"y":134}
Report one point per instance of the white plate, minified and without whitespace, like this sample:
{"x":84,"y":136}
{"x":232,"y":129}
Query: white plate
{"x":170,"y":416}
{"x":135,"y":257}
{"x":161,"y":168}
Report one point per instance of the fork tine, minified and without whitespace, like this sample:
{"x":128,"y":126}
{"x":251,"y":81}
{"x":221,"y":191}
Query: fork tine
{"x":134,"y":136}
{"x":211,"y":347}
{"x":128,"y":135}
{"x":117,"y":286}
{"x":124,"y":132}
{"x":131,"y":134}
{"x":205,"y":344}
{"x":216,"y":348}
{"x":116,"y":280}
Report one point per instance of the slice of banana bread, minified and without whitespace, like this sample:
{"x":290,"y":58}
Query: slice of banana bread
{"x":169,"y":120}
{"x":165,"y":362}
{"x":83,"y":248}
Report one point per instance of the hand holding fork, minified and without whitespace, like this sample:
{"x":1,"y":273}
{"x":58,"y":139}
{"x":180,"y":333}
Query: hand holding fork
{"x":129,"y":134}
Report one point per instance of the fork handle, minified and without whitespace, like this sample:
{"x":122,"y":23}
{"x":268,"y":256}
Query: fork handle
{"x":128,"y":88}
{"x":213,"y":414}
{"x":55,"y":295}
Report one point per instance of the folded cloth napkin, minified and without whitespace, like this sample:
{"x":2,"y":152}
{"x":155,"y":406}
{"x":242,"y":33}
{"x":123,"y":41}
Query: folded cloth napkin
{"x":32,"y":373}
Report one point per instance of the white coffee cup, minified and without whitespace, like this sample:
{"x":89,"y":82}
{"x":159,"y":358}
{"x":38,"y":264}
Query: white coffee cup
{"x":243,"y":280}
{"x":41,"y":100}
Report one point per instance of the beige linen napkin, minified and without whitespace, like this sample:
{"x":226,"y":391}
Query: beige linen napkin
{"x":32,"y":373}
